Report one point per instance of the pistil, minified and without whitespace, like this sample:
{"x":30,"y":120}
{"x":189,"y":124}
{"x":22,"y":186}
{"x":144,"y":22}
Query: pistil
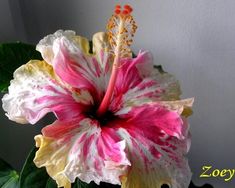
{"x":121,"y":28}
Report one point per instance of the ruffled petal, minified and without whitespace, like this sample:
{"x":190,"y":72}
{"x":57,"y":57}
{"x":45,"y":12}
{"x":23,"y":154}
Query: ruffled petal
{"x":76,"y":63}
{"x":35,"y":91}
{"x":45,"y":46}
{"x":138,"y":83}
{"x":181,"y":106}
{"x":132,"y":78}
{"x":45,"y":143}
{"x":143,"y":148}
{"x":81,"y":149}
{"x":157,"y":140}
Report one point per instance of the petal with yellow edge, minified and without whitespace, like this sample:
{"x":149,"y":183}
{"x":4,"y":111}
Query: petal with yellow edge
{"x":81,"y":149}
{"x":36,"y":90}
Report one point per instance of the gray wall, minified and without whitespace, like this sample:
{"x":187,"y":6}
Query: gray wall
{"x":192,"y":39}
{"x":6,"y":23}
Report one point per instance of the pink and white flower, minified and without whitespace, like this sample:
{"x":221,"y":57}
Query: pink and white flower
{"x":138,"y":140}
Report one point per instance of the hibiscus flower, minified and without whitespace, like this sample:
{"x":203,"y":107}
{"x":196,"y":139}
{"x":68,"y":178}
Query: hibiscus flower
{"x":119,"y":120}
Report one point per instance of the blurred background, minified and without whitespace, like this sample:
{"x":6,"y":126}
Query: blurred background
{"x":192,"y":39}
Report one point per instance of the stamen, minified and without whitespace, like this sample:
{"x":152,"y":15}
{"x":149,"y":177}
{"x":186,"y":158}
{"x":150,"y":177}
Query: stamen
{"x":123,"y":25}
{"x":120,"y":30}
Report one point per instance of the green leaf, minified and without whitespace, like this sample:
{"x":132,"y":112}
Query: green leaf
{"x":80,"y":184}
{"x":12,"y":56}
{"x":51,"y":183}
{"x":159,"y":68}
{"x":8,"y":176}
{"x":33,"y":177}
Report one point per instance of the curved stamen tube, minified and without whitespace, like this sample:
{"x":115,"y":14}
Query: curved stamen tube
{"x":120,"y":30}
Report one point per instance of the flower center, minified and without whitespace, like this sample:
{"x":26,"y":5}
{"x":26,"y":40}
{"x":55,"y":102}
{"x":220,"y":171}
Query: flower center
{"x":104,"y":119}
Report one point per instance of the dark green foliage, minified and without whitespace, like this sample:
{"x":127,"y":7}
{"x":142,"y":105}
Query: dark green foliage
{"x":12,"y":56}
{"x":8,"y":177}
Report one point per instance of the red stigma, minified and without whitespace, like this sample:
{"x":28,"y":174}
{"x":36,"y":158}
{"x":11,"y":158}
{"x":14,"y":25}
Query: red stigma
{"x":117,"y":11}
{"x":126,"y":9}
{"x":125,"y":12}
{"x":118,"y":7}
